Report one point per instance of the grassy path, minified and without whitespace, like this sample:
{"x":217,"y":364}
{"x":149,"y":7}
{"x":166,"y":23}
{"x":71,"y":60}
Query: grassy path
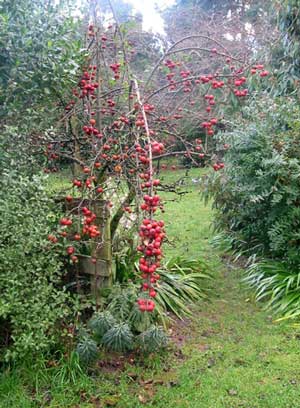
{"x":237,"y":356}
{"x":230,"y":355}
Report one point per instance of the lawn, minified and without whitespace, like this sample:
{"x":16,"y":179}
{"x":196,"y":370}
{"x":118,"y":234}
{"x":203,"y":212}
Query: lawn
{"x":230,"y":355}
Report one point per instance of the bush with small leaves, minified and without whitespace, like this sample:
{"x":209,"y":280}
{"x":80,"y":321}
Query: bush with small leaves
{"x":33,"y":299}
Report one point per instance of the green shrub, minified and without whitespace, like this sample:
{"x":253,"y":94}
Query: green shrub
{"x":118,"y":338}
{"x":100,"y":323}
{"x":87,"y":350}
{"x":257,"y":200}
{"x":152,"y":340}
{"x":32,"y":300}
{"x":118,"y":335}
{"x":257,"y":195}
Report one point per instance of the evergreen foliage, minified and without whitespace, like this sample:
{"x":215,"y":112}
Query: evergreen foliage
{"x":257,"y":198}
{"x":32,"y":297}
{"x":87,"y":350}
{"x":152,"y":340}
{"x":118,"y":338}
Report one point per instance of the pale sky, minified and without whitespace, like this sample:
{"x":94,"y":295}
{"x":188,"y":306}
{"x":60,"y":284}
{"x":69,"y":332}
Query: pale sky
{"x":151,"y":19}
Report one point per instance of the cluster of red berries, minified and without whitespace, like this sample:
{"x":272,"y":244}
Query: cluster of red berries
{"x":218,"y":166}
{"x":185,"y":74}
{"x":170,"y":76}
{"x":152,"y":234}
{"x":87,"y":84}
{"x":210,"y":100}
{"x":148,"y":184}
{"x":52,"y":238}
{"x":66,"y":222}
{"x":116,"y":69}
{"x":263,"y":73}
{"x":217,"y":84}
{"x":150,"y":203}
{"x":148,"y":107}
{"x":91,"y":31}
{"x":88,"y":227}
{"x":52,"y":156}
{"x":140,"y":122}
{"x":170,"y":64}
{"x":240,"y":81}
{"x":70,"y":105}
{"x":146,"y":305}
{"x":208,"y":126}
{"x":91,"y":129}
{"x":205,"y":78}
{"x":240,"y":93}
{"x":157,"y":148}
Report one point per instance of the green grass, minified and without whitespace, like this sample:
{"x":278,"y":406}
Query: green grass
{"x":59,"y":183}
{"x":233,"y":355}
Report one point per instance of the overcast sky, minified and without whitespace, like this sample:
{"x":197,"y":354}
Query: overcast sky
{"x":151,"y":19}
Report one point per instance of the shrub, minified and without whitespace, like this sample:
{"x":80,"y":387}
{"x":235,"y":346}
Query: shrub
{"x":118,"y":338}
{"x":257,"y":196}
{"x":117,"y":335}
{"x":32,"y":300}
{"x":152,"y":339}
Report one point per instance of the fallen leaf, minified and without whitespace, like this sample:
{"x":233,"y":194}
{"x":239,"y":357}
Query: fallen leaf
{"x":203,"y":347}
{"x":111,"y":401}
{"x":211,"y":362}
{"x":132,"y":376}
{"x":142,"y":399}
{"x":95,"y":401}
{"x":232,"y":392}
{"x":179,"y":354}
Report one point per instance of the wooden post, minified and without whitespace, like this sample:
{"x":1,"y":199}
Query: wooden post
{"x":102,"y":252}
{"x":100,"y":270}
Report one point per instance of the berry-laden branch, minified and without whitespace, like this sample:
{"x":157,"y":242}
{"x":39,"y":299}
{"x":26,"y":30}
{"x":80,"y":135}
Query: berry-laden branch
{"x":151,"y":231}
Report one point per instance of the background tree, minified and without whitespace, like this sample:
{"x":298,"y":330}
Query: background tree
{"x":285,"y":56}
{"x":40,"y":53}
